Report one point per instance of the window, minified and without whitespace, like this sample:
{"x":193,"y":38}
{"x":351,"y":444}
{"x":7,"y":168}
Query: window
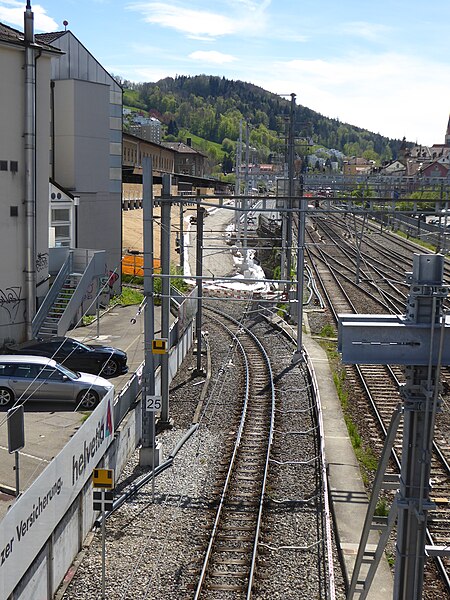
{"x":62,"y":223}
{"x":60,"y":215}
{"x":25,"y":371}
{"x":51,"y":373}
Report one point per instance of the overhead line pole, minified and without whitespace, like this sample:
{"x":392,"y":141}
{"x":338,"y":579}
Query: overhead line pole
{"x":290,"y":162}
{"x":150,"y":451}
{"x":166,"y":205}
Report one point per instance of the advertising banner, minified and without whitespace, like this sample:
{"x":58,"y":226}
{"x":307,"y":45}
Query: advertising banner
{"x":30,"y":521}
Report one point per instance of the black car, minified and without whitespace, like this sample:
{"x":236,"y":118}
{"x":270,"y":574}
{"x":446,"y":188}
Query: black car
{"x":100,"y":360}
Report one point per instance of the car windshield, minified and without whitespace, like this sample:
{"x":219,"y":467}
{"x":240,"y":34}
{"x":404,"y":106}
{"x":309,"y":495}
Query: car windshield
{"x":65,"y":371}
{"x":80,"y":345}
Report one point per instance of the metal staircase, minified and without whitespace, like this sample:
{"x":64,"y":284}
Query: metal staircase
{"x":61,"y":305}
{"x":49,"y":326}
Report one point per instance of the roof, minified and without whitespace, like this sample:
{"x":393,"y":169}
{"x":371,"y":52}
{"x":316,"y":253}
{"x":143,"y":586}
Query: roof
{"x":181,"y":148}
{"x":25,"y":358}
{"x":16,"y":37}
{"x":48,"y":38}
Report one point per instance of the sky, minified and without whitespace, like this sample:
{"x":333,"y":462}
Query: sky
{"x":381,"y":65}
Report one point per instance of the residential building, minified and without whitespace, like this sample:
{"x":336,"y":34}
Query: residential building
{"x":147,"y":128}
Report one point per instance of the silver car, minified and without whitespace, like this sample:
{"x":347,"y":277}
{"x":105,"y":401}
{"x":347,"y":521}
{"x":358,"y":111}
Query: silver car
{"x":26,"y":378}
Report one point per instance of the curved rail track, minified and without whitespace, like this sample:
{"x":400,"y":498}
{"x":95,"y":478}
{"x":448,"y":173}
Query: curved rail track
{"x":230,"y":559}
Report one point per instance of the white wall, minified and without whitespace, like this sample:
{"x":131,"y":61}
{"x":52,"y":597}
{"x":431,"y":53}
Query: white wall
{"x":13,"y":242}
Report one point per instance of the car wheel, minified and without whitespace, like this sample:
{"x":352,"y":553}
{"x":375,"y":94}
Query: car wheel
{"x":110,"y":368}
{"x":87,"y":399}
{"x":6,"y":396}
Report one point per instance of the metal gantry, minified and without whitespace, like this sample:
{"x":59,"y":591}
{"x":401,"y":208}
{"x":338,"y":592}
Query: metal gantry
{"x":420,"y":341}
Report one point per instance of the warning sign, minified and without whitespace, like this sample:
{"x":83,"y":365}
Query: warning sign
{"x":159,"y":346}
{"x":103,"y":478}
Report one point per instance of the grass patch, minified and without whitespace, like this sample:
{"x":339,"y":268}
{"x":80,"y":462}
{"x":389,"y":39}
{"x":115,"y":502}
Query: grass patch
{"x":128,"y":297}
{"x":382,"y":508}
{"x":367,"y":460}
{"x":88,"y":319}
{"x":426,"y":245}
{"x":327,"y":331}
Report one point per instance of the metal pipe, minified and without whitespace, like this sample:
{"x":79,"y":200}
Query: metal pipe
{"x":30,"y":169}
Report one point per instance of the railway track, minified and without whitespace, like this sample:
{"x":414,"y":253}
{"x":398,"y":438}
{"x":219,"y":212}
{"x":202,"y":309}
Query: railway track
{"x":376,"y":387}
{"x":240,"y":514}
{"x":230,"y":559}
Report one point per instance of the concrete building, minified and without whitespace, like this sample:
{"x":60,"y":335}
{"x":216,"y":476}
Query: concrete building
{"x":60,"y":182}
{"x":86,"y":146}
{"x":24,"y":178}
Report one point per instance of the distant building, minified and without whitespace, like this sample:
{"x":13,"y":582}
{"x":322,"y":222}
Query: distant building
{"x":147,"y":128}
{"x":423,"y":161}
{"x":135,"y":149}
{"x":358,"y":166}
{"x":187,"y":160}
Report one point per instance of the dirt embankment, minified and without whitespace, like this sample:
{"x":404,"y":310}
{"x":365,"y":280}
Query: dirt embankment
{"x":132,"y":232}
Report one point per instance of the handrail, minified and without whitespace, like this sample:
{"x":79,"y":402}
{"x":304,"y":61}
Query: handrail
{"x":52,"y":294}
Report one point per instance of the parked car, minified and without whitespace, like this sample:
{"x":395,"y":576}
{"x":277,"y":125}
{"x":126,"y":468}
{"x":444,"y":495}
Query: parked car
{"x":40,"y":378}
{"x":100,"y":360}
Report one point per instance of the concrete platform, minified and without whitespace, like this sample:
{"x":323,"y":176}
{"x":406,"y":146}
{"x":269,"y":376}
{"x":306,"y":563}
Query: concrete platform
{"x":348,"y":496}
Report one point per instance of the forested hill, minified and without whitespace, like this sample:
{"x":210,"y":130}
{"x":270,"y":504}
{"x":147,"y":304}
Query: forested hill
{"x":211,"y":107}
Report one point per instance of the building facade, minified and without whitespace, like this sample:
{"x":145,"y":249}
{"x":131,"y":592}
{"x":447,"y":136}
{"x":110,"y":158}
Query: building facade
{"x":86,"y":147}
{"x":25,"y":65}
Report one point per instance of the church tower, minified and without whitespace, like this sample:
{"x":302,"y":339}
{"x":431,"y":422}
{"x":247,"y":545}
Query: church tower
{"x":447,"y":135}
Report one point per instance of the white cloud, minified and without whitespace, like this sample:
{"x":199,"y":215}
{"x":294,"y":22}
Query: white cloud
{"x":365,"y":30}
{"x":12,"y":12}
{"x":217,"y":58}
{"x":379,"y":93}
{"x":248,"y":17}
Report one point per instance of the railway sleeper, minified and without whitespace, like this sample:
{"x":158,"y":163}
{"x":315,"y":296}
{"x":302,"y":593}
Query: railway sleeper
{"x":233,"y":561}
{"x":232,"y":549}
{"x":229,"y":573}
{"x":225,"y":587}
{"x":238,"y":537}
{"x":233,"y":527}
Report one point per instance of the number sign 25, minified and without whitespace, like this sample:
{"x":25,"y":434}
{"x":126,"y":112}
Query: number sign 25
{"x":153,"y":403}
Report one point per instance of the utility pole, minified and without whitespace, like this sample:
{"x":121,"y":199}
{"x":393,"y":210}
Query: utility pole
{"x":166,"y":205}
{"x":298,"y":354}
{"x":290,"y":163}
{"x":181,"y":239}
{"x":237,"y":191}
{"x":245,"y":201}
{"x":150,"y":451}
{"x":199,"y":273}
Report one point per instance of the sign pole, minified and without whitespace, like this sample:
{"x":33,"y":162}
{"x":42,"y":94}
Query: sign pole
{"x":16,"y":438}
{"x":103,"y":545}
{"x":16,"y":457}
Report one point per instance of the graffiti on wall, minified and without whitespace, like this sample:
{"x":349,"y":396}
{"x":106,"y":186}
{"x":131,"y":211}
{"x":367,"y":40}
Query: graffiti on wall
{"x":10,"y":301}
{"x":41,"y":261}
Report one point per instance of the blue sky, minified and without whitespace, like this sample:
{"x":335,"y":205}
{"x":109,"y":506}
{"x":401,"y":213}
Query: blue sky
{"x":382,"y":65}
